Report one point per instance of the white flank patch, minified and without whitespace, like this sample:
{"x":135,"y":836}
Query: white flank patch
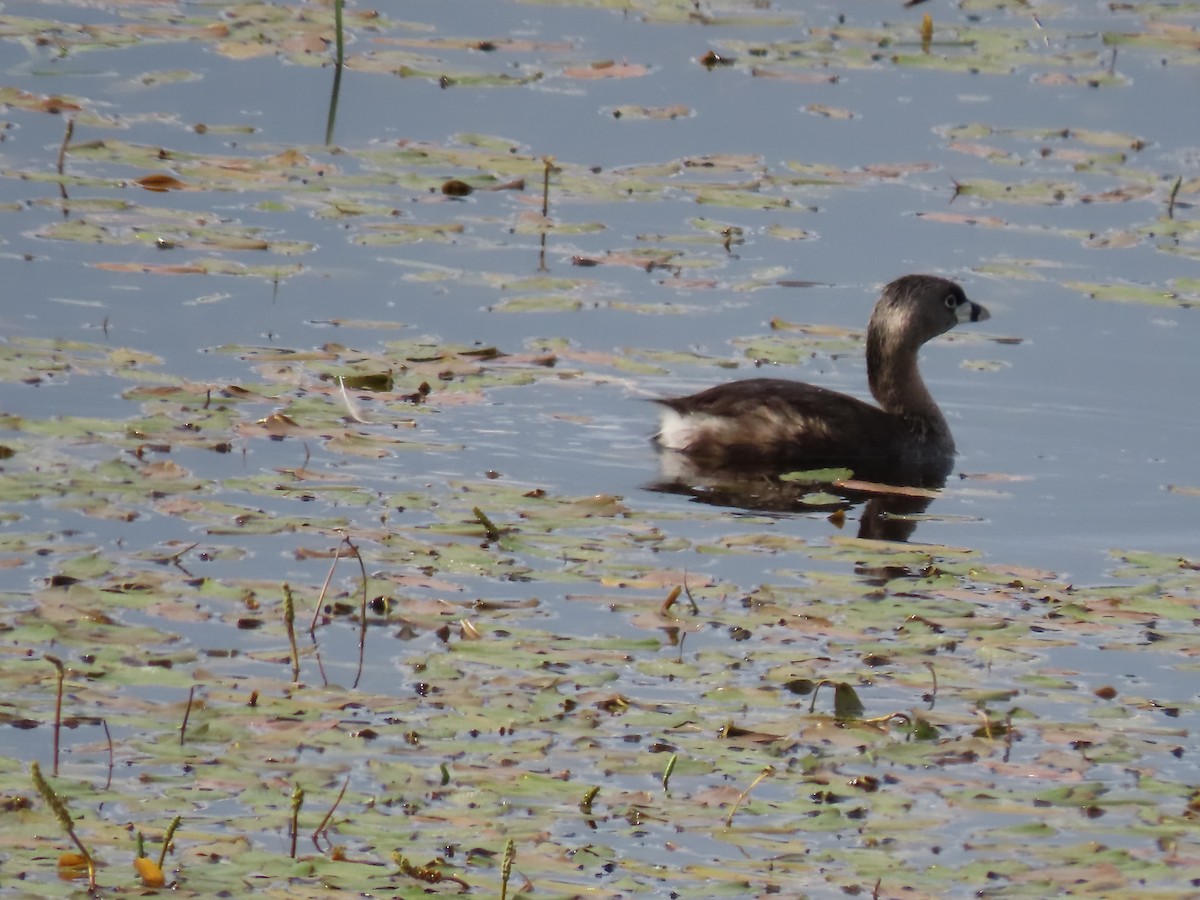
{"x":679,"y":432}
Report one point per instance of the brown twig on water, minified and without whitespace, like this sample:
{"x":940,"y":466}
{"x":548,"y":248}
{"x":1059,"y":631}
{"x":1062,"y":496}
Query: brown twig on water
{"x":670,"y":601}
{"x":187,"y":713}
{"x":812,"y":707}
{"x":57,"y":663}
{"x":548,"y":163}
{"x":320,"y":829}
{"x":108,"y":737}
{"x":312,"y":626}
{"x":548,"y":167}
{"x":1174,"y":194}
{"x":362,"y":612}
{"x":687,"y":592}
{"x":62,"y":148}
{"x":174,"y":559}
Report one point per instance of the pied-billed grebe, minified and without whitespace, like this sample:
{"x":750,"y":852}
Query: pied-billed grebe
{"x":770,"y":422}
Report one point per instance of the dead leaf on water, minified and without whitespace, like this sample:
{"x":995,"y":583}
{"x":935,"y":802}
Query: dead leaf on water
{"x":36,"y":102}
{"x":659,"y":113}
{"x":161,"y":183}
{"x":486,"y":45}
{"x":606,"y":69}
{"x":829,"y":112}
{"x":795,"y":76}
{"x":164,"y":470}
{"x":152,"y":269}
{"x":963,"y":219}
{"x":872,"y":487}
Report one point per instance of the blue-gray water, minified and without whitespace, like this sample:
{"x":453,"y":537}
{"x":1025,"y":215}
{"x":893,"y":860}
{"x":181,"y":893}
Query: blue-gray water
{"x":1087,"y":420}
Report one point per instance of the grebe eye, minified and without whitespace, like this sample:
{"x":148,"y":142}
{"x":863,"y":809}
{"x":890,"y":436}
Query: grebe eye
{"x":951,"y":301}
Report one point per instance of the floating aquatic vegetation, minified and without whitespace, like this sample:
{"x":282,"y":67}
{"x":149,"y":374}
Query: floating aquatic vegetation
{"x":504,"y":685}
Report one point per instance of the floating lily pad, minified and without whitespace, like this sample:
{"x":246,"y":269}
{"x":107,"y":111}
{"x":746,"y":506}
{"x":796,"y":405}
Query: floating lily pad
{"x":585,"y":675}
{"x":1131,"y":293}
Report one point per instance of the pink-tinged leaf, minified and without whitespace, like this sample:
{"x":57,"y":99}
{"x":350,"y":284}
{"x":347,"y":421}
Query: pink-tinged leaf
{"x":606,"y":69}
{"x":963,"y":219}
